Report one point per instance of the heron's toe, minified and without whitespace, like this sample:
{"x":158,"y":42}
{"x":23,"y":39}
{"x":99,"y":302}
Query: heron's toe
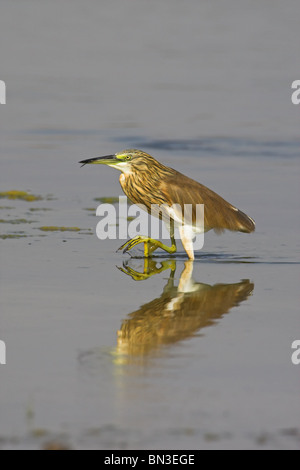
{"x":131,"y":244}
{"x":125,"y":245}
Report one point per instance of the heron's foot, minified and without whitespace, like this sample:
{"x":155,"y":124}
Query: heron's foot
{"x":150,"y":245}
{"x":135,"y":241}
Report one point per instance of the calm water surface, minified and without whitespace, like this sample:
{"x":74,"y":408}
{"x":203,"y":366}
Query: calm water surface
{"x":106,"y":351}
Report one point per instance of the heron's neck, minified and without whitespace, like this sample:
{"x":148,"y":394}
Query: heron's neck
{"x":139,"y":185}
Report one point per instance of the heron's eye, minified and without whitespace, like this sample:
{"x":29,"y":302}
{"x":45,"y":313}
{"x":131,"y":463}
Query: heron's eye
{"x":128,"y":157}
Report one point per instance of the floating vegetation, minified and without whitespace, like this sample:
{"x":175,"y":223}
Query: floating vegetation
{"x":34,"y":220}
{"x":55,"y":445}
{"x":42,"y":209}
{"x":4,"y":237}
{"x":107,"y":200}
{"x":59,"y":229}
{"x":23,"y":195}
{"x":111,"y":200}
{"x":16,"y":221}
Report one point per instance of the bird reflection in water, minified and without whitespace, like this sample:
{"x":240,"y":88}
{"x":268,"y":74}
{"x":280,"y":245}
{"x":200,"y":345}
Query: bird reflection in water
{"x":179,"y":313}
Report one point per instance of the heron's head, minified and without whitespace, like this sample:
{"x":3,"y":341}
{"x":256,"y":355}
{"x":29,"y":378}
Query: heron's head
{"x":127,"y":161}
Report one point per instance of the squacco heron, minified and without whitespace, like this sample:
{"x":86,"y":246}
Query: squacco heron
{"x":147,"y":182}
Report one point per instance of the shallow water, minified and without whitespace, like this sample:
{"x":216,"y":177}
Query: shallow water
{"x":106,"y":351}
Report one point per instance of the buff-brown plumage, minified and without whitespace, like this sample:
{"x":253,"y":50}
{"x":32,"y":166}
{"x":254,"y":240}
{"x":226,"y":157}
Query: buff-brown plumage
{"x":177,"y":199}
{"x":150,"y":182}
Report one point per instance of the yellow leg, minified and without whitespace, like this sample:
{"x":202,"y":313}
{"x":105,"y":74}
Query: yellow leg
{"x":150,"y":245}
{"x":149,"y":248}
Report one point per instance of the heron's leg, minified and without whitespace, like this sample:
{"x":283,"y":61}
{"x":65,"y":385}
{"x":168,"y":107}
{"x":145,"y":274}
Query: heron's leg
{"x":187,"y":240}
{"x":150,"y":244}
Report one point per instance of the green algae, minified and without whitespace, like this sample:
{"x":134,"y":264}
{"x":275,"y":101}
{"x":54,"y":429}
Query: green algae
{"x":16,"y":221}
{"x":22,"y":195}
{"x":11,"y":236}
{"x":59,"y":229}
{"x":107,"y":200}
{"x":42,"y":209}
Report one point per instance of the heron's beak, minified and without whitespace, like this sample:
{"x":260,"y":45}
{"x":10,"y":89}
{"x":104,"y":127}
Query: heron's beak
{"x":107,"y":160}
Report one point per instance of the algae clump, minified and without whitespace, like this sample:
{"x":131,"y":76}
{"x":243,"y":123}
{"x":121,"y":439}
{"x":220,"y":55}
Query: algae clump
{"x":23,"y":195}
